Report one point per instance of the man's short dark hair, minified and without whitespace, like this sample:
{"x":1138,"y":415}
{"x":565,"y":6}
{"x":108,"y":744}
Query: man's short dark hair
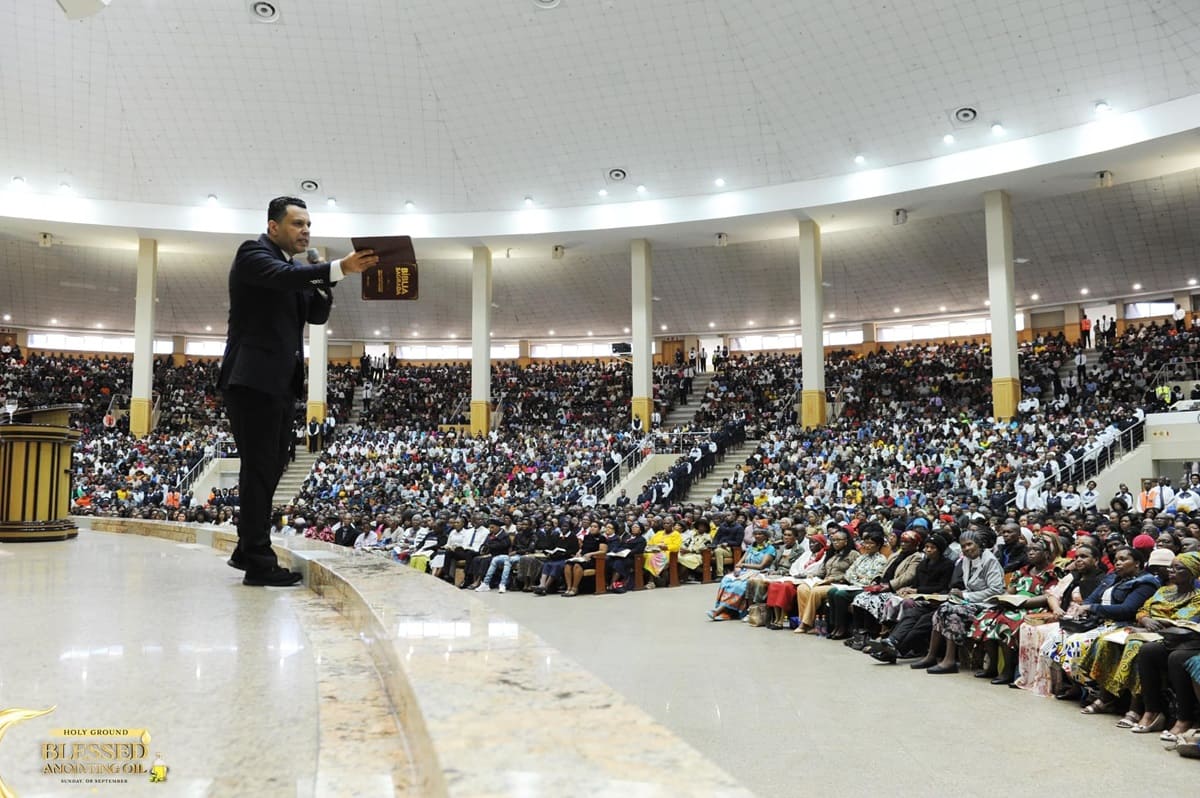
{"x":278,"y":207}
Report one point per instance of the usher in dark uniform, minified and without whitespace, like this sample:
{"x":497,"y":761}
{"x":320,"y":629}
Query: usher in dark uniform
{"x":262,"y":375}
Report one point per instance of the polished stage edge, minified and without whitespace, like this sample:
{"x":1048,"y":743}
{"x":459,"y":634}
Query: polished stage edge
{"x":487,"y":707}
{"x":243,"y":691}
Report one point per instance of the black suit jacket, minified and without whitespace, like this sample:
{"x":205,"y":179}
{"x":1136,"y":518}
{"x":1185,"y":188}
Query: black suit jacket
{"x":270,"y":299}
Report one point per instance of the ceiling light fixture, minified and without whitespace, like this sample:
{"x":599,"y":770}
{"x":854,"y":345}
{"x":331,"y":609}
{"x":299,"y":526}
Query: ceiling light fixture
{"x":987,"y":303}
{"x":18,"y":181}
{"x":212,"y":199}
{"x":1137,"y":286}
{"x":453,"y":335}
{"x":589,"y":333}
{"x":54,"y":321}
{"x":377,"y":332}
{"x":997,"y":129}
{"x":528,"y":201}
{"x":1034,"y":297}
{"x":208,"y":328}
{"x":719,"y":182}
{"x":942,"y":308}
{"x":328,"y":331}
{"x":948,"y":138}
{"x":711,"y":324}
{"x":99,"y":326}
{"x":331,"y":202}
{"x":1102,"y":107}
{"x":895,"y":310}
{"x":1083,"y":291}
{"x":64,"y":187}
{"x":603,"y":192}
{"x":416,"y":334}
{"x":833,"y":315}
{"x":791,"y":321}
{"x":1192,"y":281}
{"x":263,"y":11}
{"x":409,"y":205}
{"x":552,"y":332}
{"x":641,"y":189}
{"x":860,"y":159}
{"x":663,"y":328}
{"x":1020,"y":260}
{"x":626,"y":329}
{"x":750,"y":323}
{"x":8,"y":317}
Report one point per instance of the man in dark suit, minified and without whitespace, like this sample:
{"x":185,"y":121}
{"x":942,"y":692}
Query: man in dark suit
{"x":262,"y":373}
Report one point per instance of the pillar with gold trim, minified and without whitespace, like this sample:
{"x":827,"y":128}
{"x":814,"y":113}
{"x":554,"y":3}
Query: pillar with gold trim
{"x":642,"y":336}
{"x":812,"y":330}
{"x":141,"y":406}
{"x":1006,"y":382}
{"x":481,"y":340}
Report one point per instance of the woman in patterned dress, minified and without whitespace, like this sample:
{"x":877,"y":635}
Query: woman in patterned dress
{"x":998,"y":627}
{"x":1111,"y":665}
{"x":732,"y":602}
{"x":880,"y":600}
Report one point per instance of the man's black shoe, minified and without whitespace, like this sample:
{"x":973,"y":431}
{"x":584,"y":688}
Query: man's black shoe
{"x":235,"y":561}
{"x":280,"y":577}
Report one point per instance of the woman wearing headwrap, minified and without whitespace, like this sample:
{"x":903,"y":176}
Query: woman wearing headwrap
{"x":1039,"y":675}
{"x":982,"y":578}
{"x":781,"y":595}
{"x":900,"y":571}
{"x":998,"y":627}
{"x":1112,"y":662}
{"x":832,"y":570}
{"x":915,"y":616}
{"x":1178,"y":666}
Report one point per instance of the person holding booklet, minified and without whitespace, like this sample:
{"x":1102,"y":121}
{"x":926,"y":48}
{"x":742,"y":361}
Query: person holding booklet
{"x":622,"y":556}
{"x":561,"y":545}
{"x":591,"y":549}
{"x":982,"y":578}
{"x":732,"y":602}
{"x":914,"y":620}
{"x":811,"y":593}
{"x":999,"y":626}
{"x":781,"y":593}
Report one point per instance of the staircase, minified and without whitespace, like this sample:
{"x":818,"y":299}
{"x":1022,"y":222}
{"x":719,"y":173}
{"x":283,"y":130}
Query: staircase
{"x":297,"y":471}
{"x":735,"y":458}
{"x":683,"y":414}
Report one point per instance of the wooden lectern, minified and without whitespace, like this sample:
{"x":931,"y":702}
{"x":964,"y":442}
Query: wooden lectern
{"x":35,"y":474}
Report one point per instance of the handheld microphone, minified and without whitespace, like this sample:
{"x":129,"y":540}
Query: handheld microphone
{"x":314,"y":255}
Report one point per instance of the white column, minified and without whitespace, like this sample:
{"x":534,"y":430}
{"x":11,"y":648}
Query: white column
{"x":642,"y":267}
{"x":140,"y":402}
{"x":1006,"y":386}
{"x":812,"y":325}
{"x":481,"y":343}
{"x":318,"y":366}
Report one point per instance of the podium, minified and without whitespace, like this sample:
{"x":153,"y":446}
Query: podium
{"x":35,"y":474}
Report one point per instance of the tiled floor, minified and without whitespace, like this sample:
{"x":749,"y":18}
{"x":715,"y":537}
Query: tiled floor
{"x":802,"y":715}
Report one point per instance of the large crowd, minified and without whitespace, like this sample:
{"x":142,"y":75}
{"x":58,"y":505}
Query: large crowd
{"x":898,"y":527}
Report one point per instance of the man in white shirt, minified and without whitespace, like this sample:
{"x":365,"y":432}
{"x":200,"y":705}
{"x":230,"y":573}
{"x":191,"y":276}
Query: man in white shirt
{"x":1089,"y":498}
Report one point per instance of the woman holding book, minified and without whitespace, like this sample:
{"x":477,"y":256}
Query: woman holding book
{"x":811,"y":594}
{"x":915,"y":616}
{"x":999,"y":627}
{"x":732,"y":601}
{"x":865,"y":571}
{"x":982,"y":578}
{"x":1039,"y":675}
{"x":870,"y":606}
{"x":592,"y":548}
{"x":1111,"y":664}
{"x":622,"y":556}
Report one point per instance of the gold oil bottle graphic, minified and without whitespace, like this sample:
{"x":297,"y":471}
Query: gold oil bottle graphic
{"x":9,"y":718}
{"x":158,"y":771}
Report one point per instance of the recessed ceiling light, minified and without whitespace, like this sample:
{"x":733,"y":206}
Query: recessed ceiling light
{"x":309,"y":185}
{"x":377,"y":332}
{"x":18,"y":181}
{"x":750,"y":323}
{"x":416,"y":334}
{"x":1020,"y":260}
{"x":328,"y":331}
{"x":64,"y":187}
{"x":8,"y":317}
{"x":1034,"y":297}
{"x":1137,"y":286}
{"x":791,"y":321}
{"x":491,"y":335}
{"x":552,"y":332}
{"x":1083,"y":291}
{"x":453,"y":335}
{"x":860,"y":159}
{"x":664,"y":327}
{"x":528,"y":201}
{"x":833,"y":315}
{"x":589,"y":332}
{"x":212,"y":199}
{"x":331,"y":202}
{"x":948,"y":138}
{"x":641,"y":189}
{"x":54,"y":321}
{"x":711,"y":324}
{"x":719,"y":182}
{"x":997,"y":129}
{"x":409,"y":205}
{"x":895,"y":310}
{"x":603,"y":192}
{"x":1102,"y":107}
{"x":1192,"y":281}
{"x":99,"y":326}
{"x":264,"y":11}
{"x":208,"y":328}
{"x":987,"y":303}
{"x":626,"y":329}
{"x":942,"y":308}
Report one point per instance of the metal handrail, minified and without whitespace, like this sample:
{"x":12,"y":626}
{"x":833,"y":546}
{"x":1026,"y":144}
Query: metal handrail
{"x":1192,"y":365}
{"x":632,"y":459}
{"x":193,"y":473}
{"x":1085,"y":467}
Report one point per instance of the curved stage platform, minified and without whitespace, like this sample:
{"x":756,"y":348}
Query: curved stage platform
{"x":376,"y":682}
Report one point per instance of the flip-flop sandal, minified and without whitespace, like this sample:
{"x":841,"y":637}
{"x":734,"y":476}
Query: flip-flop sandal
{"x":1129,"y":720}
{"x":1098,"y":708}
